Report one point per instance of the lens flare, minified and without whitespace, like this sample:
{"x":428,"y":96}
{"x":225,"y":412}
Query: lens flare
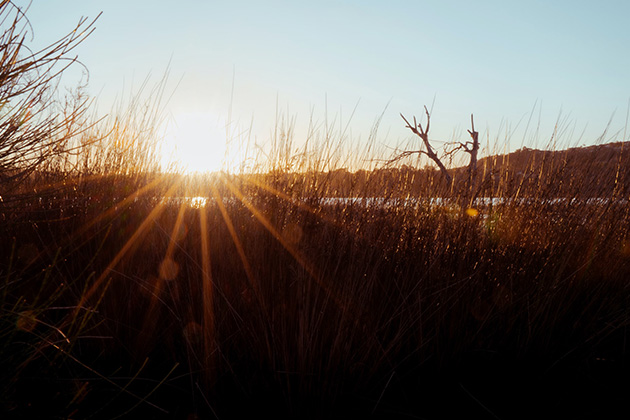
{"x":472,"y":212}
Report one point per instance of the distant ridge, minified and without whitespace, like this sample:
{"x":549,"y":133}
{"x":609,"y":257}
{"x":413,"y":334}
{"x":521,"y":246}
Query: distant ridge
{"x":602,"y":156}
{"x":590,"y":170}
{"x":581,"y":172}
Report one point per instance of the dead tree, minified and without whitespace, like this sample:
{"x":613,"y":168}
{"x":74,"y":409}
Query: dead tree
{"x":471,"y":147}
{"x":423,"y":133}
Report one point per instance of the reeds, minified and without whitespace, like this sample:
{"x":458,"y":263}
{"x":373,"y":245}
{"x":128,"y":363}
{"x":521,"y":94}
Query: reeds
{"x":303,"y":288}
{"x":274,"y":293}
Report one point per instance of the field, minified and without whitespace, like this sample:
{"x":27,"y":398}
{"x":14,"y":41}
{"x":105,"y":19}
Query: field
{"x":261,"y":297}
{"x":305,"y":286}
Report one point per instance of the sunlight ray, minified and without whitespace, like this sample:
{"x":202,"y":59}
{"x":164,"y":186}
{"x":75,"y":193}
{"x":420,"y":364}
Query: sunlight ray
{"x":176,"y":231}
{"x":237,"y":242}
{"x":158,"y":285}
{"x":299,"y":204}
{"x":281,"y":195}
{"x":70,"y":239}
{"x":267,"y":225}
{"x":124,"y":203}
{"x":207,"y":288}
{"x":123,"y":251}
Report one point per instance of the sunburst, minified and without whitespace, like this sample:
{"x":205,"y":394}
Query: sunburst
{"x":198,"y":142}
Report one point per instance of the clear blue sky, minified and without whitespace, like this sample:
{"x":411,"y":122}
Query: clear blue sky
{"x":495,"y":59}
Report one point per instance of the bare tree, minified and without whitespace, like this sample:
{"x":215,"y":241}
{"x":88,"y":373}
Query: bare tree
{"x":423,"y":133}
{"x":473,"y":151}
{"x":470,"y":147}
{"x":36,"y":123}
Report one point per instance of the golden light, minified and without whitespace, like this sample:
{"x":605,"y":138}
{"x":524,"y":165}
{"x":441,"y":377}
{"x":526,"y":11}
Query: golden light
{"x":195,"y":142}
{"x":197,"y":202}
{"x":472,"y":212}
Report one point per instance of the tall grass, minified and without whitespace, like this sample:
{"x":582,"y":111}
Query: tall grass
{"x":303,"y":289}
{"x":267,"y":297}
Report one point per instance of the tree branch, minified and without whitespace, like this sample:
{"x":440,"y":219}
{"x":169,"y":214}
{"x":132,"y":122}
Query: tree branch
{"x":423,"y":133}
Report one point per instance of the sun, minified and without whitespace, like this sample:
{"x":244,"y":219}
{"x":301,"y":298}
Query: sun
{"x":195,"y":142}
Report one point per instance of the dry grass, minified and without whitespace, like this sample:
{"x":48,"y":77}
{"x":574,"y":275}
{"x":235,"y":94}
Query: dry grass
{"x":305,"y":290}
{"x":269,"y":295}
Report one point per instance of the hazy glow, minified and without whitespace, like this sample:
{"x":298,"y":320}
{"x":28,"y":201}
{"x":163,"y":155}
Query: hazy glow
{"x":195,"y":142}
{"x":494,"y":59}
{"x":198,"y":202}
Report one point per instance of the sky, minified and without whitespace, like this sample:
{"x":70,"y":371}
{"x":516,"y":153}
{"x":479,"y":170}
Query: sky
{"x":346,"y":63}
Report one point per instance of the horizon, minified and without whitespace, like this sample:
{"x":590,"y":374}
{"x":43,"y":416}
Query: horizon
{"x":245,"y":67}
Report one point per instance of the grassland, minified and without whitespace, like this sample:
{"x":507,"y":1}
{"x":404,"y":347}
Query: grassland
{"x":299,"y":289}
{"x":264,"y":298}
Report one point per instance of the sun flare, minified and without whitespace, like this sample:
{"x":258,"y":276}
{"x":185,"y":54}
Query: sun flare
{"x":196,"y":142}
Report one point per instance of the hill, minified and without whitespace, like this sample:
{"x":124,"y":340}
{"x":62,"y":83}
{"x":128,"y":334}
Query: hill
{"x":593,"y":171}
{"x":581,"y":172}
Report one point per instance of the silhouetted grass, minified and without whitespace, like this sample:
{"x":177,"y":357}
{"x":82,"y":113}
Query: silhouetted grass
{"x":272,"y":300}
{"x":299,"y":288}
